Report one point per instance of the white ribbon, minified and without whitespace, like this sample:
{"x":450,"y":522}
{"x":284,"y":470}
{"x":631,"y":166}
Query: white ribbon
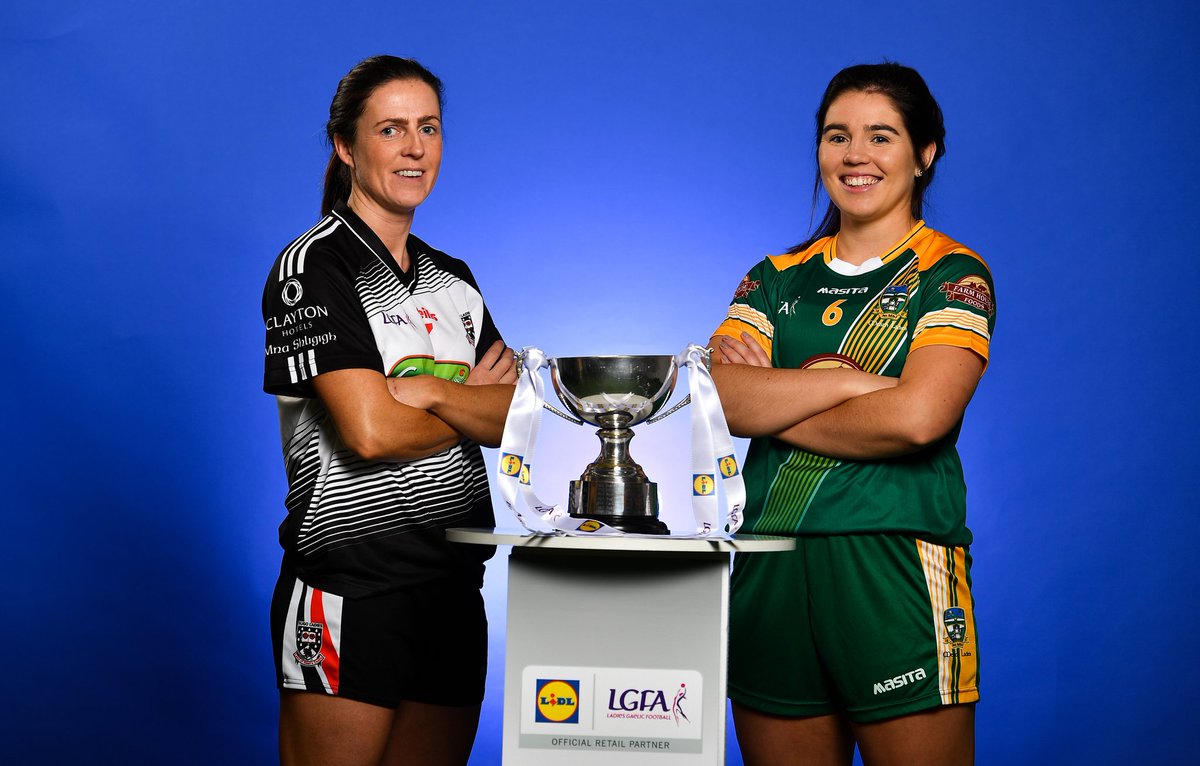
{"x":712,"y":450}
{"x":712,"y":454}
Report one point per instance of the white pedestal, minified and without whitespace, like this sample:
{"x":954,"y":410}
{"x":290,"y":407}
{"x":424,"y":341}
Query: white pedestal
{"x":616,"y":647}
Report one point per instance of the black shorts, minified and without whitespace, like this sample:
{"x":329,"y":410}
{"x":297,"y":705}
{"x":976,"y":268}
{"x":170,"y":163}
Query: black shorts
{"x":425,"y":643}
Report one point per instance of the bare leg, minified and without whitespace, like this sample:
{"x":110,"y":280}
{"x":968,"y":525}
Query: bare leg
{"x":431,"y":735}
{"x":943,"y":736}
{"x":320,"y":730}
{"x":772,"y":740}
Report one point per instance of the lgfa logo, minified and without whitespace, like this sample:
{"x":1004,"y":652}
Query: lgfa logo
{"x":557,"y":701}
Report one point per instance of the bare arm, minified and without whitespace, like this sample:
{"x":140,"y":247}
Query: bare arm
{"x":376,"y":426}
{"x":477,"y":412}
{"x":935,"y":387}
{"x":760,"y":400}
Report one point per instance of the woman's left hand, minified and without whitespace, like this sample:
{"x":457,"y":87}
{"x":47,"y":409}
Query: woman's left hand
{"x":744,"y":351}
{"x":496,"y":366}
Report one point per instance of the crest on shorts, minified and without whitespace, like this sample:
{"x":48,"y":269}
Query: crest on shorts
{"x":955,"y":620}
{"x":308,"y":643}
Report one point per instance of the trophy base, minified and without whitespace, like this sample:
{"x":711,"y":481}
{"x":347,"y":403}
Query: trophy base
{"x":634,"y":525}
{"x":628,"y":506}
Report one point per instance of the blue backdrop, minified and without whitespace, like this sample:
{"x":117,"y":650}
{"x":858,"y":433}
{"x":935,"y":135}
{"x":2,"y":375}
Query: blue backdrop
{"x":611,"y":170}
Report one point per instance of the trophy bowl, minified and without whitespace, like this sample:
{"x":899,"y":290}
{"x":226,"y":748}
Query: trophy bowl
{"x":614,"y":393}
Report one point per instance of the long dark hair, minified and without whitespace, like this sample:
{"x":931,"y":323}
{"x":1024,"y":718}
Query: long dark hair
{"x":347,"y":106}
{"x":922,"y":119}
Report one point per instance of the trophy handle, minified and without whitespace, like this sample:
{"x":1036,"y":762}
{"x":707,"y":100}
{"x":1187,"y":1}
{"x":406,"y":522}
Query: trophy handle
{"x":561,"y":414}
{"x":706,"y":355}
{"x":682,"y":403}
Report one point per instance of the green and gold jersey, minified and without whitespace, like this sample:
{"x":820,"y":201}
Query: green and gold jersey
{"x":930,"y":290}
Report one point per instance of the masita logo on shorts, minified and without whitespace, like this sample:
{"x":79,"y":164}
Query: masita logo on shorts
{"x":557,"y":700}
{"x":904,"y":679}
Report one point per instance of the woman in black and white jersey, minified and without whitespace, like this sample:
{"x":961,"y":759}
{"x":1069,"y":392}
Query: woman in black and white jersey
{"x":389,"y":373}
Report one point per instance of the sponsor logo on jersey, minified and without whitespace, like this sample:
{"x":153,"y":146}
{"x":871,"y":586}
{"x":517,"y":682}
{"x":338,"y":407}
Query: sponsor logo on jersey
{"x":842,"y":290}
{"x":455,"y":372}
{"x":292,"y":317}
{"x":510,"y":464}
{"x":292,"y":292}
{"x":308,"y":643}
{"x":904,"y":679}
{"x":410,"y":366}
{"x":469,"y":326}
{"x":429,"y":317}
{"x":746,"y":287}
{"x":394,"y":318}
{"x":703,"y":484}
{"x":557,"y":701}
{"x":728,"y":466}
{"x":829,"y":362}
{"x":972,"y":290}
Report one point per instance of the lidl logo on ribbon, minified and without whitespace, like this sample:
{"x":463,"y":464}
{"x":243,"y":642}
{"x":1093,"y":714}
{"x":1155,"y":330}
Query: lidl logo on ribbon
{"x":703,"y":484}
{"x":591,"y":525}
{"x":557,"y":701}
{"x":728,"y":466}
{"x":525,"y":473}
{"x":510,"y":465}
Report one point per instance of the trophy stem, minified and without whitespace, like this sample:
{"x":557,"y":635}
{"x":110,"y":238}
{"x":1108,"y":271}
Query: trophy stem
{"x":614,"y":489}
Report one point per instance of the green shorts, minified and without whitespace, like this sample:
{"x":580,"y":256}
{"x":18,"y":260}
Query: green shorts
{"x":870,"y":626}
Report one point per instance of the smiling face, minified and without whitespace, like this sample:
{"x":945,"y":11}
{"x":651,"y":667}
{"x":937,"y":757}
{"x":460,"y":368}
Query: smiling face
{"x":397,"y":150}
{"x":867,"y":160}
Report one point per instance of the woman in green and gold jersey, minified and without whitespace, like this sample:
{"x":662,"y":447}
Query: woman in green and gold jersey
{"x":849,"y":361}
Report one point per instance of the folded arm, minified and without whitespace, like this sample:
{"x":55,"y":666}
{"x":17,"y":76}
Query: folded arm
{"x":760,"y":400}
{"x":375,"y":425}
{"x":475,"y":411}
{"x":933,"y":392}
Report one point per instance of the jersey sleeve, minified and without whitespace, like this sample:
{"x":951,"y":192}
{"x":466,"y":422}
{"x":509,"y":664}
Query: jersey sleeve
{"x":315,"y":323}
{"x":749,"y":311}
{"x":957,"y":305}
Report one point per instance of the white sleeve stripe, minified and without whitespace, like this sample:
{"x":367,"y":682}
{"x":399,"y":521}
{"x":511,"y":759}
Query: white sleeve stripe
{"x":304,"y":250}
{"x":286,"y":263}
{"x":292,"y":369}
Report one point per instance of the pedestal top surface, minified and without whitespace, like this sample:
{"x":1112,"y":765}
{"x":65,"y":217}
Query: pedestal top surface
{"x":521,"y":538}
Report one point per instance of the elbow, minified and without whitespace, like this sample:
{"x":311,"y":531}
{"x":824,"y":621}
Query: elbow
{"x":366,"y":446}
{"x":923,"y":430}
{"x":366,"y":441}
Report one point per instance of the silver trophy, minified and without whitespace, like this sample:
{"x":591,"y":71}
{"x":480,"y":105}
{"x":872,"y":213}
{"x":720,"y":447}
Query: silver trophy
{"x":615,"y":393}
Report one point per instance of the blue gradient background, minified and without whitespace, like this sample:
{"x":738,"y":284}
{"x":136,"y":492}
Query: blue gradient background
{"x":611,"y":170}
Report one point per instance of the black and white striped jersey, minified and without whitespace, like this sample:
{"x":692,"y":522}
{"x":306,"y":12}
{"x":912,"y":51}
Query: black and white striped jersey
{"x":336,"y":299}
